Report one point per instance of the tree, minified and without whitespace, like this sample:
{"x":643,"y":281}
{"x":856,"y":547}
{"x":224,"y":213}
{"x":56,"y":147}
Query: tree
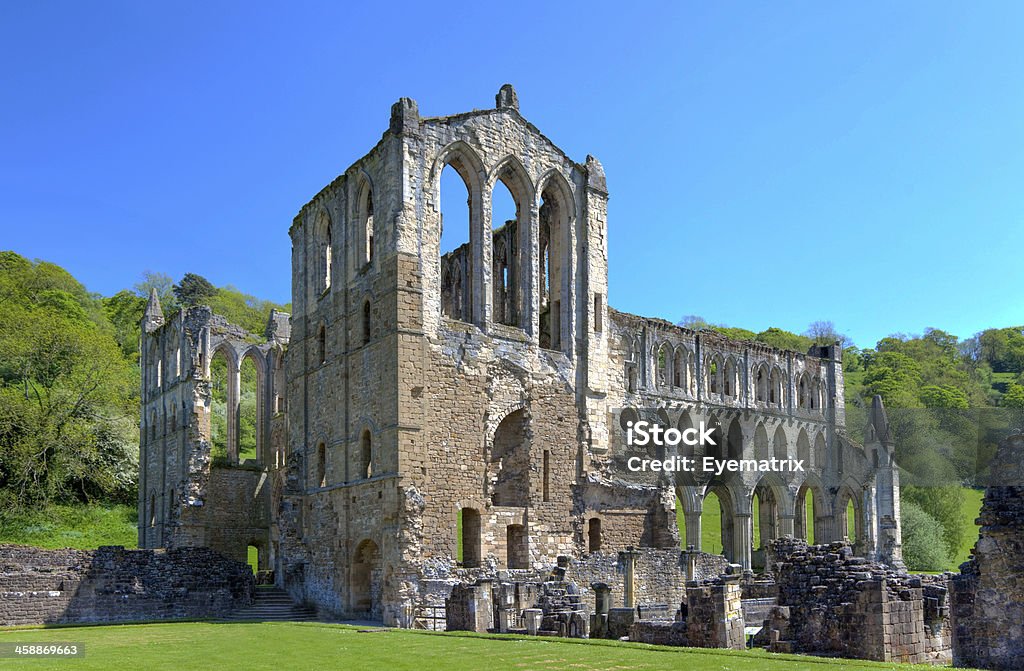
{"x":194,"y":290}
{"x":164,"y":286}
{"x":781,"y":339}
{"x":825,"y":333}
{"x":1014,"y":397}
{"x":923,"y":546}
{"x":124,"y":310}
{"x":934,"y":396}
{"x":694,"y":322}
{"x":944,"y":504}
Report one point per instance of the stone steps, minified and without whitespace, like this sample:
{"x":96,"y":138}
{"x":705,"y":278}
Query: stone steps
{"x":273,"y":605}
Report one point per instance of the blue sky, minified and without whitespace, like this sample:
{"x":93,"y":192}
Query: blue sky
{"x":768,"y":163}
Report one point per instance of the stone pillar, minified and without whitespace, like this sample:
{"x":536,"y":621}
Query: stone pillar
{"x":742,"y":540}
{"x":693,"y":530}
{"x":786,"y":527}
{"x":628,"y":559}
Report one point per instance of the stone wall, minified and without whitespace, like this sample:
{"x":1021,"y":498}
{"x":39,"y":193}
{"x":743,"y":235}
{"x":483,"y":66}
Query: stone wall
{"x":112,"y":584}
{"x":835,"y":603}
{"x":988,"y":595}
{"x":659,"y":575}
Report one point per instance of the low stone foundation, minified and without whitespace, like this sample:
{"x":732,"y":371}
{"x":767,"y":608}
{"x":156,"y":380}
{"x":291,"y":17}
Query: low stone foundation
{"x":832,"y":602}
{"x":112,"y":584}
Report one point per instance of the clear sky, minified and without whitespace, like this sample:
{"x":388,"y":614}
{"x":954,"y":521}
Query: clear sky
{"x":768,"y":163}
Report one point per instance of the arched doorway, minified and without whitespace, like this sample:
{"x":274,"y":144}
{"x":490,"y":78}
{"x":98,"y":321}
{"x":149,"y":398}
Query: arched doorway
{"x":365,"y":580}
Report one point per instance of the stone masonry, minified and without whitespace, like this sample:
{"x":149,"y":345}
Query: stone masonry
{"x":988,"y":594}
{"x":833,"y":602}
{"x":112,"y":584}
{"x":436,"y":419}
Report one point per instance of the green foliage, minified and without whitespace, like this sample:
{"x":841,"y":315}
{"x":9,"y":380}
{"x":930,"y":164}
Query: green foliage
{"x":735,"y":333}
{"x":247,"y":311}
{"x":164,"y":286}
{"x":124,"y":310}
{"x":780,"y":339}
{"x":1003,"y":349}
{"x":77,"y":526}
{"x":193,"y":290}
{"x":934,"y":396}
{"x":923,"y":546}
{"x":944,"y":505}
{"x":68,"y":411}
{"x":1014,"y":397}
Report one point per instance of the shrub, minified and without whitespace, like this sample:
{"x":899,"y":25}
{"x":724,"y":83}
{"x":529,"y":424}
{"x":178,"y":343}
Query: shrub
{"x":924,"y":548}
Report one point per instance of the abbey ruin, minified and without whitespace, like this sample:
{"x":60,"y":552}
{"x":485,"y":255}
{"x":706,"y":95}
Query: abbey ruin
{"x":440,"y":435}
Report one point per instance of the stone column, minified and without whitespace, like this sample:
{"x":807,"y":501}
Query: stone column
{"x":234,"y":383}
{"x":742,"y":540}
{"x":628,"y":559}
{"x":693,"y":529}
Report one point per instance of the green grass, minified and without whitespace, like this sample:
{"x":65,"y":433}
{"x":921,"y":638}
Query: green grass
{"x":298,"y":646}
{"x":969,"y":509}
{"x":82,"y":526}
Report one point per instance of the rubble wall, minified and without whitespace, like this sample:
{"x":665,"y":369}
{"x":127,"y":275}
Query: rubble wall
{"x":837,"y":603}
{"x":112,"y":584}
{"x":988,"y":595}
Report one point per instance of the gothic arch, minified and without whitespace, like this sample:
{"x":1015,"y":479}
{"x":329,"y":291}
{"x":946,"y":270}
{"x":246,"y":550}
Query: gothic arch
{"x":363,"y":216}
{"x":780,"y":445}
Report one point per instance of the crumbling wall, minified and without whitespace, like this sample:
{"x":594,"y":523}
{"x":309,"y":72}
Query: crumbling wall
{"x":112,"y":584}
{"x":988,"y":595}
{"x":835,"y":603}
{"x":714,"y":614}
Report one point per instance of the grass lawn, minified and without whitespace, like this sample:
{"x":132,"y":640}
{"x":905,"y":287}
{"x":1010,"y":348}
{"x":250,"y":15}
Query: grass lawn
{"x":295,"y":646}
{"x":969,"y":510}
{"x":83,"y":527}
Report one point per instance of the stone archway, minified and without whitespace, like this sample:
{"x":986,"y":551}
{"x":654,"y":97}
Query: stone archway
{"x":365,"y":581}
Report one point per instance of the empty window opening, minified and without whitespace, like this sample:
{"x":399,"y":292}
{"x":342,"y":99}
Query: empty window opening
{"x":365,"y":456}
{"x":223,"y":408}
{"x":321,"y":465}
{"x":152,"y":510}
{"x":366,"y":216}
{"x":547,"y":475}
{"x":328,"y":251}
{"x":249,"y":410}
{"x":594,"y":535}
{"x":713,"y":377}
{"x":730,"y":383}
{"x":505,"y":213}
{"x":456,"y":252}
{"x":663,"y":367}
{"x":321,"y":344}
{"x":598,"y":312}
{"x":252,"y":556}
{"x":554,"y":223}
{"x":366,"y":322}
{"x":515,"y":540}
{"x":470,"y":537}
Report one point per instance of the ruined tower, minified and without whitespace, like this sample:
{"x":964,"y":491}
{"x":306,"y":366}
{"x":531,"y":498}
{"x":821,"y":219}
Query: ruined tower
{"x":436,"y":417}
